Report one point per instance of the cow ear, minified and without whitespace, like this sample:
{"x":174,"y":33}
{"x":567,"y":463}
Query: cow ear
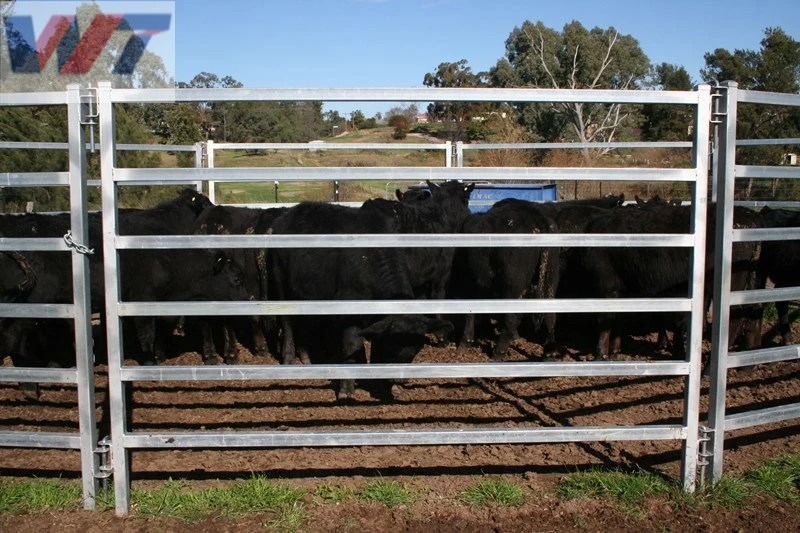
{"x":399,"y":195}
{"x":468,"y":189}
{"x":431,"y":186}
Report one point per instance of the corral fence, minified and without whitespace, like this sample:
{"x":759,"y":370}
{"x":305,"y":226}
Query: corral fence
{"x":719,"y":421}
{"x":124,"y":438}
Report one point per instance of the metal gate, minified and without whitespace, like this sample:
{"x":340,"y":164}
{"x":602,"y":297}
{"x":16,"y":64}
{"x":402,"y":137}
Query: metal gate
{"x":79,"y":310}
{"x":729,"y":96}
{"x":124,"y":438}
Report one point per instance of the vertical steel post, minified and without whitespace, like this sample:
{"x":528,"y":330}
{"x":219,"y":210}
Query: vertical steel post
{"x":460,"y":154}
{"x":700,"y":155}
{"x":116,"y":387}
{"x":81,"y":293}
{"x":448,"y":154}
{"x":212,"y":193}
{"x":722,"y":274}
{"x":198,"y":163}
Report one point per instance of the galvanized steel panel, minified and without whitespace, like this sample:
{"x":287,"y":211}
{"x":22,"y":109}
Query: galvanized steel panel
{"x":20,"y":310}
{"x":40,"y":439}
{"x":759,"y":296}
{"x":406,"y":95}
{"x":762,"y":416}
{"x":405,"y":240}
{"x":753,"y":171}
{"x":33,"y":98}
{"x":389,"y":437}
{"x":765,"y":234}
{"x":33,"y":179}
{"x":146,"y":175}
{"x":406,"y":307}
{"x":764,"y":97}
{"x":39,"y":375}
{"x":764,"y":355}
{"x":43,"y":244}
{"x":406,"y":371}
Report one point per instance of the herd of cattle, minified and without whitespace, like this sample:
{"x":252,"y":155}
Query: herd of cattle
{"x":383,"y":274}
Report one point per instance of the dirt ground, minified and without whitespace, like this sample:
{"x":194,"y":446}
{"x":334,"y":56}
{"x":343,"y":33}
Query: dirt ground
{"x":437,"y":473}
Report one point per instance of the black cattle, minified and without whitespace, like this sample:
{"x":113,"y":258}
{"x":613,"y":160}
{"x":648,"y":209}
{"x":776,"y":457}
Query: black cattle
{"x":175,"y":275}
{"x":51,"y":272}
{"x":171,"y":217}
{"x":508,"y":272}
{"x":358,"y":273}
{"x":780,"y":262}
{"x":228,"y":220}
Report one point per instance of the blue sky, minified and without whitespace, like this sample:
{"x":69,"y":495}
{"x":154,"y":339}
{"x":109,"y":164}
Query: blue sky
{"x":393,"y":43}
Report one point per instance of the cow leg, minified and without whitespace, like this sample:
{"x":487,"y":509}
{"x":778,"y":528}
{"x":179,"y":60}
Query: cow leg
{"x":259,"y":336}
{"x":615,"y":344}
{"x":510,"y":332}
{"x":783,"y":322}
{"x":353,"y":353}
{"x":209,"y":350}
{"x":603,"y":342}
{"x":145,"y":334}
{"x":468,"y":335}
{"x":231,"y":356}
{"x":287,"y":346}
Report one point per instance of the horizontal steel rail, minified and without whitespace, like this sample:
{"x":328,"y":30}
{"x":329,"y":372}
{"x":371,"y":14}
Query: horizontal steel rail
{"x":767,"y":172}
{"x":40,"y":439}
{"x":777,"y":204}
{"x":324,"y":145}
{"x":34,"y":98}
{"x":759,"y":417}
{"x":39,"y":375}
{"x":33,"y":179}
{"x":405,"y":95}
{"x":405,"y":240}
{"x":765,"y":234}
{"x":763,"y":355}
{"x":29,"y":244}
{"x":408,"y":307}
{"x":760,"y":296}
{"x":765,"y":97}
{"x":15,"y":145}
{"x":144,"y":175}
{"x":37,"y":310}
{"x":406,"y":371}
{"x":400,"y":437}
{"x":764,"y":142}
{"x":574,"y":145}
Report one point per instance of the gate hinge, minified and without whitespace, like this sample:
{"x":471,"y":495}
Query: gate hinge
{"x":705,"y":434}
{"x":105,"y":470}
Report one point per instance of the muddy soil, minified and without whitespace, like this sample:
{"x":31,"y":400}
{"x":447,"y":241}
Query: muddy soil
{"x":438,"y":473}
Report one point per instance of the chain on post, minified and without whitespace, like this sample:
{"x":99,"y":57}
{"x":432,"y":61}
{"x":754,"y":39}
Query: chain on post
{"x":80,"y":248}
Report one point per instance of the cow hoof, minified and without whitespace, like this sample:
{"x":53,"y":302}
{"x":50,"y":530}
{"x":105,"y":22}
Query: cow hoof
{"x":211,"y":360}
{"x":30,"y":391}
{"x":231,"y":360}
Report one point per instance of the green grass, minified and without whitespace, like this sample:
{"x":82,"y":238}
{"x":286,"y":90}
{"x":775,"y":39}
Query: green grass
{"x":177,"y":499}
{"x":628,"y":490}
{"x":285,"y":508}
{"x":39,"y":495}
{"x":389,"y":493}
{"x":336,"y":493}
{"x":494,"y":491}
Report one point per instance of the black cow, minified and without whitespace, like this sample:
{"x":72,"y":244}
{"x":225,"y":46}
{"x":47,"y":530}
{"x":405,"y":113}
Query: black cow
{"x":228,"y":220}
{"x":358,"y":273}
{"x":175,"y":275}
{"x":508,"y":272}
{"x":780,"y":262}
